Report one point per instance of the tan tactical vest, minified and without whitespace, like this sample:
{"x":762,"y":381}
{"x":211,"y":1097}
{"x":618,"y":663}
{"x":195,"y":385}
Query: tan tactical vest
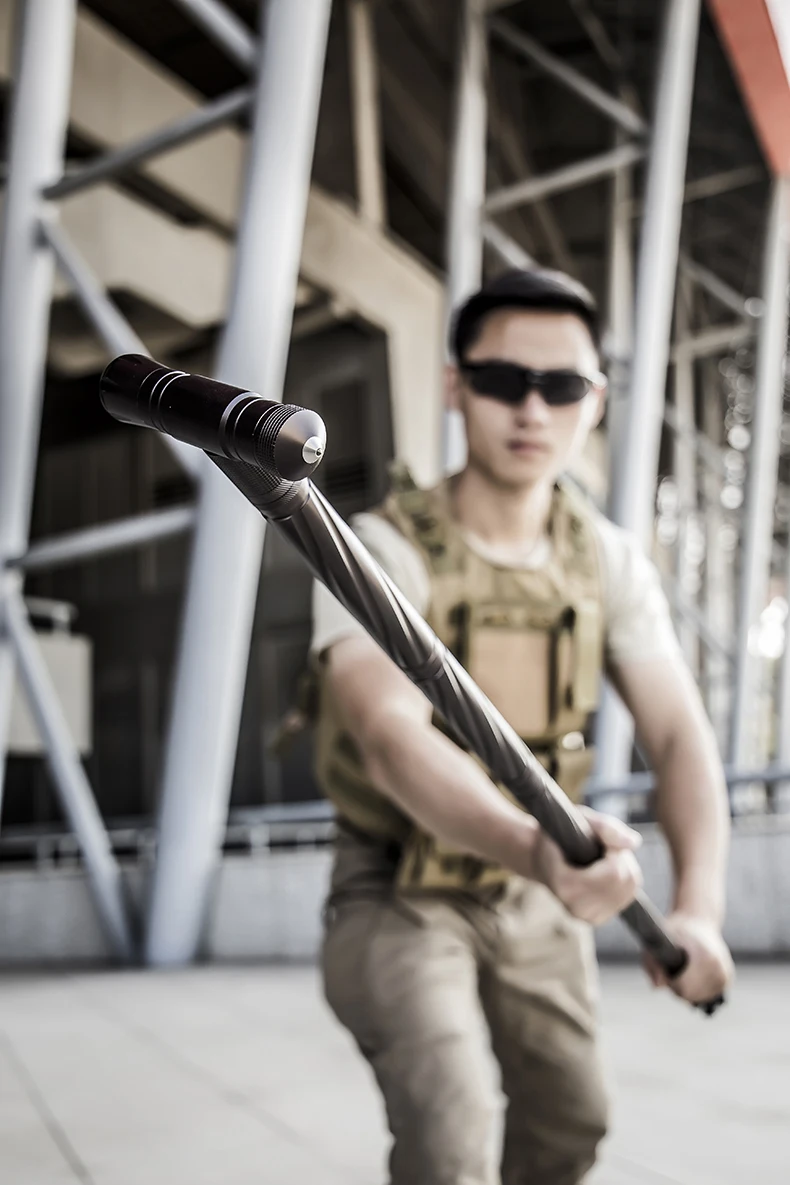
{"x":533,"y":642}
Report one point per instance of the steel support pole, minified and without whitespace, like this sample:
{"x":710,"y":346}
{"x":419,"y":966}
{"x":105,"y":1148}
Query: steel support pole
{"x":38,"y":119}
{"x":620,"y":307}
{"x":467,"y":190}
{"x":718,"y":576}
{"x":71,"y":784}
{"x":226,"y":555}
{"x":634,"y":482}
{"x":366,"y":113}
{"x":614,"y":733}
{"x":781,"y":791}
{"x":762,"y":478}
{"x":685,"y":467}
{"x":634,"y":488}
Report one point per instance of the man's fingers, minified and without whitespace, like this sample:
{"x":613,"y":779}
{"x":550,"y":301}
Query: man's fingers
{"x":597,"y":893}
{"x":655,"y":972}
{"x":613,"y":833}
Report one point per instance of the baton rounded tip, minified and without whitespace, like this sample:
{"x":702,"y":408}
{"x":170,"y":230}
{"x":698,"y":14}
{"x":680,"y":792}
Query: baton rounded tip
{"x":313,"y":450}
{"x":299,"y":444}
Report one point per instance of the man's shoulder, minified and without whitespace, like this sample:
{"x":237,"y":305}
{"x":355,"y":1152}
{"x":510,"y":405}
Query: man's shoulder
{"x":377,"y":530}
{"x":619,"y":547}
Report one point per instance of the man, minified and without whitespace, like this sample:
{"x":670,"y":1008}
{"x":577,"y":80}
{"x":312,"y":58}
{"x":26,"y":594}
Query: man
{"x":454,"y":925}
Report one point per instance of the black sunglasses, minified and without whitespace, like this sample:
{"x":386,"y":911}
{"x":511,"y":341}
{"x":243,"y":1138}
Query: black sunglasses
{"x":511,"y":383}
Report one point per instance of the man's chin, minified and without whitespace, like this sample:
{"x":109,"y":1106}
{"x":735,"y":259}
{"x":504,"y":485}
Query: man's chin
{"x":525,"y":470}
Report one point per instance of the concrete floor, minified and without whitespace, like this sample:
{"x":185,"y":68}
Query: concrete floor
{"x":239,"y":1076}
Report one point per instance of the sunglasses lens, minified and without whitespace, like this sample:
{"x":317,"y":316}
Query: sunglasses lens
{"x":560,"y":387}
{"x":497,"y":381}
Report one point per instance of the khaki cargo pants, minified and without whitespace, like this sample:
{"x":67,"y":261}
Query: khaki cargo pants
{"x":429,"y":985}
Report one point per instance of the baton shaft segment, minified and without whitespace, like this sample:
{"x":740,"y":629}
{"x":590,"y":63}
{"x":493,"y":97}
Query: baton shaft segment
{"x":338,"y":558}
{"x":268,"y":450}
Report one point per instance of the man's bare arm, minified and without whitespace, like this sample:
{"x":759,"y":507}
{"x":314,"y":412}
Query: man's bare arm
{"x":691,"y":795}
{"x":448,"y":794}
{"x":691,"y":805}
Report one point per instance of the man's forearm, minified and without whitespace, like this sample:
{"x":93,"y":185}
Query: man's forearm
{"x":448,"y":794}
{"x":691,"y":806}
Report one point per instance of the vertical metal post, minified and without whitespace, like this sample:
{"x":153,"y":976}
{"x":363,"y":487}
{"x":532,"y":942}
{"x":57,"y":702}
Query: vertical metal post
{"x":763,"y":471}
{"x":781,"y":791}
{"x":635,"y":476}
{"x":366,"y":113}
{"x":467,"y":190}
{"x":39,"y":116}
{"x":634,"y":488}
{"x":685,"y":465}
{"x":620,"y":306}
{"x":719,"y":576}
{"x":615,"y":728}
{"x":226,"y":555}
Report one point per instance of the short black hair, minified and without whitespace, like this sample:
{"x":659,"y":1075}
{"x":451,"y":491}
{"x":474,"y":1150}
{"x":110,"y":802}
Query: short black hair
{"x":538,"y":288}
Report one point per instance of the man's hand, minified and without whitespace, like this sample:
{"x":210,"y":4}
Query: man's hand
{"x":710,"y":968}
{"x":597,"y":893}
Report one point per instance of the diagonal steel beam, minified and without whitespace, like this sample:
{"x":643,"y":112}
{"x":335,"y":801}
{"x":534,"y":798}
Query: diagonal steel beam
{"x":550,"y":64}
{"x":713,"y":341}
{"x":71,"y":783}
{"x":720,"y":289}
{"x":72,"y":547}
{"x":713,"y":185}
{"x":110,"y":324}
{"x":198,"y":122}
{"x":508,"y":250}
{"x":224,"y":27}
{"x":568,"y":177}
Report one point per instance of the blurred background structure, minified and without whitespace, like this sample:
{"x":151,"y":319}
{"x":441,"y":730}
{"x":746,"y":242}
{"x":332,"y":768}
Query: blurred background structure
{"x":291,"y":194}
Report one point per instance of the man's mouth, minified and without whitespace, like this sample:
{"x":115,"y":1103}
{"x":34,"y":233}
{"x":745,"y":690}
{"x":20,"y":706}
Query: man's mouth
{"x":527,"y":447}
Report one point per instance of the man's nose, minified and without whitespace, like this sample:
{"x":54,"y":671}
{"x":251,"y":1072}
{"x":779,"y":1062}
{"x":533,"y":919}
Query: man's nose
{"x":533,"y":407}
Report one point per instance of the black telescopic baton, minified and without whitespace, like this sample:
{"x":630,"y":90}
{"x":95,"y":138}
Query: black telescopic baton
{"x":268,"y":450}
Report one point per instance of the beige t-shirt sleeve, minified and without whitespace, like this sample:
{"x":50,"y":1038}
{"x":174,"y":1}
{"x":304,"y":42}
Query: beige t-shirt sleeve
{"x":400,"y":560}
{"x":638,"y":623}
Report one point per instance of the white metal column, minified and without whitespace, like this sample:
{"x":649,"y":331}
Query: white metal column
{"x":39,"y":115}
{"x":467,"y":190}
{"x":719,"y":575}
{"x":614,"y":730}
{"x":366,"y":113}
{"x":226,"y":556}
{"x":635,"y":477}
{"x":763,"y":468}
{"x":685,"y":466}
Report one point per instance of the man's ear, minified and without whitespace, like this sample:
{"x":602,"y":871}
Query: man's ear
{"x":600,"y":405}
{"x":452,"y":388}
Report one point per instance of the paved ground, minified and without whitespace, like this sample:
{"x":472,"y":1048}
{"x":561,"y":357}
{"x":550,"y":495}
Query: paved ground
{"x":239,"y":1076}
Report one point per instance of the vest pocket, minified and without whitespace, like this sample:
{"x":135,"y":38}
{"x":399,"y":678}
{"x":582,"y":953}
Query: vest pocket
{"x":514,"y":668}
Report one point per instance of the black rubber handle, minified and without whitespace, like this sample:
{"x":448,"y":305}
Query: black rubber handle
{"x":281,"y":439}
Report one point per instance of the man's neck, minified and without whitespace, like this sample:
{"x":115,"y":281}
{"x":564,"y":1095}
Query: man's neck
{"x":501,"y":516}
